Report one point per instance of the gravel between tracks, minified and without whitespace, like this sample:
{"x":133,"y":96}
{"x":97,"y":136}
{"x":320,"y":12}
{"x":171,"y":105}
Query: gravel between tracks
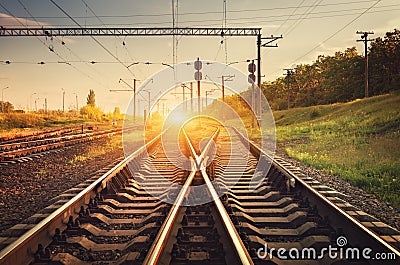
{"x":356,"y":196}
{"x":26,"y":188}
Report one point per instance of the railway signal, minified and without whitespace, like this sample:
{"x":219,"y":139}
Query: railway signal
{"x":252,"y":79}
{"x":198,"y":76}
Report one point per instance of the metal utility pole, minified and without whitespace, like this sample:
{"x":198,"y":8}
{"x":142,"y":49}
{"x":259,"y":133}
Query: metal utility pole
{"x":208,"y":92}
{"x":267,"y":44}
{"x":364,"y":38}
{"x":45,"y":105}
{"x":185,"y":106}
{"x":36,"y":99}
{"x":63,"y":99}
{"x":30,"y":100}
{"x":191,"y":97}
{"x":289,"y":72}
{"x":134,"y":94}
{"x":76,"y":101}
{"x":148,"y":100}
{"x":2,"y":98}
{"x":224,"y":79}
{"x":183,"y":98}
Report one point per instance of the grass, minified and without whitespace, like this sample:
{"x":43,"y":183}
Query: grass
{"x":21,"y":124}
{"x":113,"y":144}
{"x":78,"y":158}
{"x":41,"y":172}
{"x":358,"y":141}
{"x":34,"y":120}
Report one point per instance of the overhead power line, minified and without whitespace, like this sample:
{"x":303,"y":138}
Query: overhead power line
{"x":303,"y":16}
{"x":336,"y":32}
{"x":211,"y":12}
{"x":50,"y":48}
{"x":290,"y":16}
{"x":60,"y":41}
{"x":104,"y":24}
{"x":251,"y":21}
{"x":98,"y":42}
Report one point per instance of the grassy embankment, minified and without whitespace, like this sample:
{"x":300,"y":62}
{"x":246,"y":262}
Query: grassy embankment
{"x":358,"y":141}
{"x":12,"y":124}
{"x":20,"y":124}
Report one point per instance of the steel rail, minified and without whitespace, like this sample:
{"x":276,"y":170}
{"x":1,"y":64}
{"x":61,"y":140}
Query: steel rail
{"x":161,"y":239}
{"x":237,"y":242}
{"x":21,"y":251}
{"x":228,"y":224}
{"x":30,"y":147}
{"x":322,"y":198}
{"x":37,"y":135}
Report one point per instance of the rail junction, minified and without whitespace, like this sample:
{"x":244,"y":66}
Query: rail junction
{"x":116,"y":218}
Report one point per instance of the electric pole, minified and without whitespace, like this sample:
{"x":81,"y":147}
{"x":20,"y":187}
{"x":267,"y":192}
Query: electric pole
{"x":289,"y":72}
{"x":183,"y":93}
{"x":183,"y":98}
{"x":251,"y":79}
{"x":36,"y":109}
{"x":191,"y":97}
{"x":76,"y":101}
{"x":224,"y":79}
{"x":134,"y":100}
{"x":208,"y":92}
{"x":364,"y":38}
{"x":267,"y":44}
{"x":134,"y":94}
{"x":63,"y":98}
{"x":2,"y":98}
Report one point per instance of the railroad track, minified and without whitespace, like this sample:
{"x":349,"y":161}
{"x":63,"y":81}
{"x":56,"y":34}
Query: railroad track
{"x":40,"y":135}
{"x":18,"y":149}
{"x":125,"y":218}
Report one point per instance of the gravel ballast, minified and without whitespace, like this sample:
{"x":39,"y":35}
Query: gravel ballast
{"x":26,"y":188}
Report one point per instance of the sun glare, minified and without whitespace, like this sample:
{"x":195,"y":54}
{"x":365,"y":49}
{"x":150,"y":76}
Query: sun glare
{"x":177,"y":117}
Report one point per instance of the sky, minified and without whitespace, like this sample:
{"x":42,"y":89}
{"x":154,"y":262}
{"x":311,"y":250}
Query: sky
{"x":309,"y":28}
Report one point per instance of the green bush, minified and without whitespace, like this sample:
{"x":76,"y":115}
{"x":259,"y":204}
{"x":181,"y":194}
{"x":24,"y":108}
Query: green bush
{"x":92,"y":113}
{"x":21,"y":120}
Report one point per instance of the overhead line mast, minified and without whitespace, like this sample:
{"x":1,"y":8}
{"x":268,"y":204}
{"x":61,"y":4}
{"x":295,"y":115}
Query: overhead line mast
{"x":127,"y":31}
{"x":364,"y":38}
{"x":154,"y":31}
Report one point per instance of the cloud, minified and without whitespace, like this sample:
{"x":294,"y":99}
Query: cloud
{"x":8,"y":21}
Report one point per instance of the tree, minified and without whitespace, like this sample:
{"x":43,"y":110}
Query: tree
{"x":91,"y":100}
{"x":116,"y":112}
{"x":92,"y":113}
{"x":6,"y":107}
{"x":384,"y":56}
